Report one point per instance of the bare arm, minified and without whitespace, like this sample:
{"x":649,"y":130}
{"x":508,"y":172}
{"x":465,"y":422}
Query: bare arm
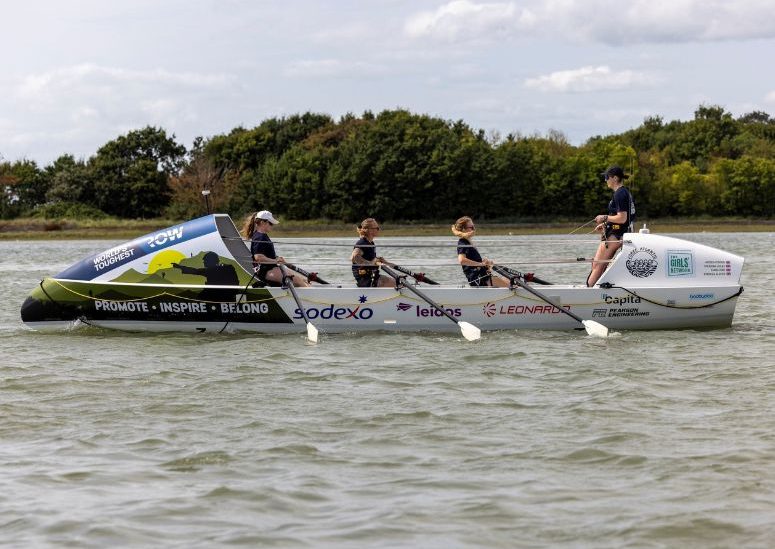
{"x":261,"y":259}
{"x":357,"y":258}
{"x":464,"y":261}
{"x":620,"y":217}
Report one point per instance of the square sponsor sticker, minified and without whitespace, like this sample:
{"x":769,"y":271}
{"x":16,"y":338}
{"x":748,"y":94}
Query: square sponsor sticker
{"x":680,"y":263}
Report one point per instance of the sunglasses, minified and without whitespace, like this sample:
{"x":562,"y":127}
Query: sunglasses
{"x":469,"y":227}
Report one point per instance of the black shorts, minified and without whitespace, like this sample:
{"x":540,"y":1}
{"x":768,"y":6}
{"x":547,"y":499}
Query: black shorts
{"x":481,"y":282}
{"x":367,"y":281}
{"x":366,"y":277}
{"x":615,"y":230}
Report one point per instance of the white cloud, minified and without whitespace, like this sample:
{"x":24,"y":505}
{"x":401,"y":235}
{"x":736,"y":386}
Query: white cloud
{"x":326,"y":68}
{"x":76,"y":106}
{"x":657,"y":21}
{"x":88,"y":74}
{"x":463,"y":19}
{"x":605,"y":21}
{"x":589,"y":79}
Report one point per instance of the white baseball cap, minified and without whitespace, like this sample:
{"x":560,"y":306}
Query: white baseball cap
{"x":267,"y":216}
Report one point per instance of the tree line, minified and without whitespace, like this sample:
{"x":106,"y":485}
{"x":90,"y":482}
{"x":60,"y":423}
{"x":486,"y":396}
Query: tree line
{"x":398,"y":165}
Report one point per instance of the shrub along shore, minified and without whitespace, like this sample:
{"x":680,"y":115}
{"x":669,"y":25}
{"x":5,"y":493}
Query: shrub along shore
{"x":122,"y":229}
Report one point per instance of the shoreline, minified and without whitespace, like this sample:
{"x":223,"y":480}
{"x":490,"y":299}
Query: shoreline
{"x":35,"y":229}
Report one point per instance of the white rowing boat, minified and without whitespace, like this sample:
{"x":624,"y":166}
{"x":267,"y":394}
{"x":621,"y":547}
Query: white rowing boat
{"x":655,"y":282}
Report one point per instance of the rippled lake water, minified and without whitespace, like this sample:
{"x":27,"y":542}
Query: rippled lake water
{"x":522,"y":439}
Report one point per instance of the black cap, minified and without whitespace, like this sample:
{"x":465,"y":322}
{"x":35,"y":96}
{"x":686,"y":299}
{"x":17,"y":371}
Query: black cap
{"x":614,"y":170}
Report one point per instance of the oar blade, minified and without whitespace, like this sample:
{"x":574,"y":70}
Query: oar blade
{"x":595,"y":328}
{"x":469,"y":331}
{"x":312,"y":333}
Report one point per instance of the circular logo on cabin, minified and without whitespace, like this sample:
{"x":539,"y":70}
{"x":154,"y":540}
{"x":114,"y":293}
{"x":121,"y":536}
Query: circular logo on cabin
{"x":642,"y":262}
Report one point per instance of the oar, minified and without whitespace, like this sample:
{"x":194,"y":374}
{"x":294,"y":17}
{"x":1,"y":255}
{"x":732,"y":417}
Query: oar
{"x":312,"y":332}
{"x":593,"y":328}
{"x":311,"y":277}
{"x":419,"y":277}
{"x":528,"y":277}
{"x":469,"y":331}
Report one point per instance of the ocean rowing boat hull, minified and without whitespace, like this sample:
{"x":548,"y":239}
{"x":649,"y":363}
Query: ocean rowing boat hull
{"x":655,"y":282}
{"x":333,"y":310}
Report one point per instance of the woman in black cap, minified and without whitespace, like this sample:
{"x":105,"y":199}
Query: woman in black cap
{"x":613,"y":225}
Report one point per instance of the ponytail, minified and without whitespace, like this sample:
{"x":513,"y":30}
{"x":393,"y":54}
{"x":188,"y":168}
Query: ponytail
{"x":459,"y":231}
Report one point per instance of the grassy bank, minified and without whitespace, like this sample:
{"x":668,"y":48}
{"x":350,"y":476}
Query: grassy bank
{"x":118,"y":229}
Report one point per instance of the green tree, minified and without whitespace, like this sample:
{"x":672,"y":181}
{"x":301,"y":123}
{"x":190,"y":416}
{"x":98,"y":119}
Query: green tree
{"x":69,"y":180}
{"x":131,"y":173}
{"x":748,"y":186}
{"x":709,"y":135}
{"x":23,"y":186}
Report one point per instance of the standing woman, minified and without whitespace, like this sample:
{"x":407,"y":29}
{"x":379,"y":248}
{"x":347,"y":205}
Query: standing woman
{"x":475,"y":267}
{"x":613,"y":225}
{"x":364,"y":257}
{"x":265,"y":259}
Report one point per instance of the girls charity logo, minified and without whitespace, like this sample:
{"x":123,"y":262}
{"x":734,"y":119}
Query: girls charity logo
{"x":642,"y":262}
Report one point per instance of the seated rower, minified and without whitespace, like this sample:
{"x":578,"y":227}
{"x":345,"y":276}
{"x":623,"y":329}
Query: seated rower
{"x":364,"y":257}
{"x":265,"y":259}
{"x":476,"y":268}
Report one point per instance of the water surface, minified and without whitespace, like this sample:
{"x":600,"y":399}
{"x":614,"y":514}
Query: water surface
{"x":523,"y":439}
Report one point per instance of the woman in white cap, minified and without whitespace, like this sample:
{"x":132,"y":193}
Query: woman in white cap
{"x":265,"y":258}
{"x":613,"y":225}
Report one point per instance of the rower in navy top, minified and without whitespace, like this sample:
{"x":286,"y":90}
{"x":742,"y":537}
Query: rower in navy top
{"x":265,"y":259}
{"x":364,"y":258}
{"x":475,"y":267}
{"x":613,"y":225}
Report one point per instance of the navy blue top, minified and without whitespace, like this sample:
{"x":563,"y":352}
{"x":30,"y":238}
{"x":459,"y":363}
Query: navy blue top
{"x":621,"y":202}
{"x":474,"y":274}
{"x":262,"y":244}
{"x":368,"y":252}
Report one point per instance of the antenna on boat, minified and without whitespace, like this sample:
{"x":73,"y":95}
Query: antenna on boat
{"x":206,"y":194}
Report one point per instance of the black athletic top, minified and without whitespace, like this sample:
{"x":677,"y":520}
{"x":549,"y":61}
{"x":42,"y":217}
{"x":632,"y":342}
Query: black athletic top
{"x":366,"y":273}
{"x":262,"y":244}
{"x":477,"y":276}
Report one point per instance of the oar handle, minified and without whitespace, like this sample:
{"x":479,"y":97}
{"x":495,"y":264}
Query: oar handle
{"x":311,"y":276}
{"x":421,"y":295}
{"x":419,"y":277}
{"x":508,"y":272}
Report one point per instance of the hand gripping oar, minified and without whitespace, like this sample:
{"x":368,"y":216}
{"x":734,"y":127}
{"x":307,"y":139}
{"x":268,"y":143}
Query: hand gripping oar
{"x":419,"y":277}
{"x":312,"y":332}
{"x":469,"y":331}
{"x":311,"y":277}
{"x":593,"y":328}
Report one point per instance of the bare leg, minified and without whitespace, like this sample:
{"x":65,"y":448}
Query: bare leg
{"x":276,"y":276}
{"x":386,"y":282}
{"x":605,"y":251}
{"x":500,"y":282}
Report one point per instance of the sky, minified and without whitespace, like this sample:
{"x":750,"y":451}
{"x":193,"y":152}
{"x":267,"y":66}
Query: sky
{"x":75,"y":74}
